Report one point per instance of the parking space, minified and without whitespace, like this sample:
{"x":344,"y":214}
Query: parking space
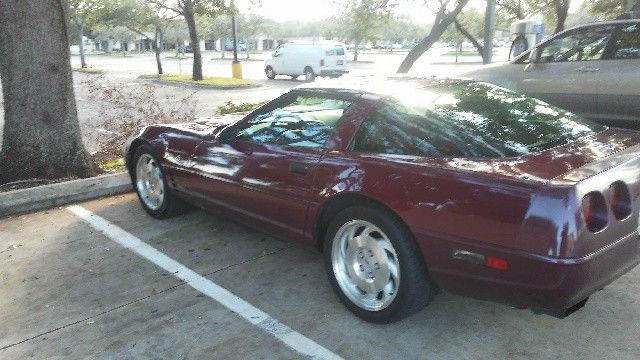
{"x":70,"y":291}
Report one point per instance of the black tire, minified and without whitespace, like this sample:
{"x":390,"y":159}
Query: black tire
{"x":415,"y":291}
{"x":294,"y":77}
{"x":309,"y":75}
{"x":171,"y":205}
{"x":271,"y":74}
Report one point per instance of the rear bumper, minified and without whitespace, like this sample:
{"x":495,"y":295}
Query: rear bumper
{"x":542,"y":283}
{"x":333,"y":72}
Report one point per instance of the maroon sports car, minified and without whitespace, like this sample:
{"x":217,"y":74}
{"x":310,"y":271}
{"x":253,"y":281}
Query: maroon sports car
{"x":408,"y":186}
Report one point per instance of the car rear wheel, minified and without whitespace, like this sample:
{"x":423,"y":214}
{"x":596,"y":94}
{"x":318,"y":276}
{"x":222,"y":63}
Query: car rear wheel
{"x":151,"y":186}
{"x":375,"y":266}
{"x":309,"y":75}
{"x":270,"y":73}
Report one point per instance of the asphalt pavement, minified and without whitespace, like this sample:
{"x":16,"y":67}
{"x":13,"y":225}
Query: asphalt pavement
{"x":103,"y":280}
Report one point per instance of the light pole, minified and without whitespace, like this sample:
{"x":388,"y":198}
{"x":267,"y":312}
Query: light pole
{"x":489,"y":30}
{"x":236,"y":67}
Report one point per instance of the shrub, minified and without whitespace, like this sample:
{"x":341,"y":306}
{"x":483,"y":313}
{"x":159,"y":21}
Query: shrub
{"x":126,"y":110}
{"x":230,"y":107}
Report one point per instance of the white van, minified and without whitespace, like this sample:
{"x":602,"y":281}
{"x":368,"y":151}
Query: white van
{"x":311,"y":59}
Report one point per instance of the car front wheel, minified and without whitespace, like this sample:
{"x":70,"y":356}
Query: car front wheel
{"x":151,"y":186}
{"x":375,"y":266}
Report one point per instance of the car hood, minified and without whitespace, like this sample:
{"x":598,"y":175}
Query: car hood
{"x":206,"y":125}
{"x":566,"y":164}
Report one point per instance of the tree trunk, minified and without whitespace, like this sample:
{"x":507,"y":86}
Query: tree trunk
{"x":355,"y":52}
{"x":246,"y":48}
{"x":441,"y":23}
{"x":469,"y":37}
{"x":158,"y":43}
{"x":42,"y":135}
{"x":195,"y":44}
{"x":562,"y":10}
{"x":83,"y":62}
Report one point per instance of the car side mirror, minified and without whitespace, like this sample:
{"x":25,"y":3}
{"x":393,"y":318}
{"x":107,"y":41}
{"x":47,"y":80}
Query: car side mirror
{"x":275,"y":54}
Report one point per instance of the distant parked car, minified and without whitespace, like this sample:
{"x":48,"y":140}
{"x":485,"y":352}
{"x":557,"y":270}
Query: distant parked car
{"x":188,"y":49}
{"x":311,"y":59}
{"x":241,"y":47}
{"x":592,"y":70}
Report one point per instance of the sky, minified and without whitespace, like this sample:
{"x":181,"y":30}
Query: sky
{"x":306,"y":10}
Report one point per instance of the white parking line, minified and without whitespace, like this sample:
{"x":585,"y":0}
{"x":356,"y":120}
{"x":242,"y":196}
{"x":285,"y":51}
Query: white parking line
{"x":255,"y":316}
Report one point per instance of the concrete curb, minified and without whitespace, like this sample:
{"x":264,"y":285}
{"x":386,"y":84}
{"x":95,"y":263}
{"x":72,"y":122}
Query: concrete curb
{"x":48,"y":196}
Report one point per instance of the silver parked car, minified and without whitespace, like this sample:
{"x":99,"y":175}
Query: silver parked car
{"x":592,"y":70}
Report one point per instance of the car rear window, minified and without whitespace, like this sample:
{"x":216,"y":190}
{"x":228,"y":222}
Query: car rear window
{"x":468,"y":120}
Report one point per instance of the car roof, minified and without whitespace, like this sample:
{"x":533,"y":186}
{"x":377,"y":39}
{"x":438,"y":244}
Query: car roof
{"x":604,"y":22}
{"x":378,"y":86}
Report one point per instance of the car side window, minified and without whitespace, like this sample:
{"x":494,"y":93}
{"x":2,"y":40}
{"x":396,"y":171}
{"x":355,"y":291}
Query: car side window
{"x":304,"y":121}
{"x":339,"y":50}
{"x":627,"y":44}
{"x":583,"y":44}
{"x":392,"y":129}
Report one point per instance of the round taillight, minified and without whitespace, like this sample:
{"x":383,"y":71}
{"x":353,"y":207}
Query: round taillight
{"x":620,"y":200}
{"x":594,"y":210}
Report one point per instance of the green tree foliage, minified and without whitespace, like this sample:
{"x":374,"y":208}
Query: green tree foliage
{"x":399,"y":29}
{"x":252,"y":26}
{"x":296,"y":29}
{"x":606,"y":9}
{"x":472,"y":20}
{"x":469,"y":25}
{"x":84,"y":14}
{"x":145,"y":19}
{"x":218,"y":28}
{"x":446,"y":12}
{"x":114,"y":33}
{"x":554,"y":12}
{"x":189,"y":9}
{"x":363,"y":20}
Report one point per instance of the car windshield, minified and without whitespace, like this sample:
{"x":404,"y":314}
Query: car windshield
{"x":305,"y":122}
{"x":471,"y":120}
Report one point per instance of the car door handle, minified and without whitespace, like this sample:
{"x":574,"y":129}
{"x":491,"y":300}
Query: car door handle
{"x":587,"y":69}
{"x":299,"y":168}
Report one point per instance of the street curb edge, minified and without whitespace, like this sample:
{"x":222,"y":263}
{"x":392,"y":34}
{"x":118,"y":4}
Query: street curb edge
{"x":48,"y":196}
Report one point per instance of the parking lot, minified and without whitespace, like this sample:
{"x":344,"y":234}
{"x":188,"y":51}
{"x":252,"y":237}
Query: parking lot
{"x":123,"y":285}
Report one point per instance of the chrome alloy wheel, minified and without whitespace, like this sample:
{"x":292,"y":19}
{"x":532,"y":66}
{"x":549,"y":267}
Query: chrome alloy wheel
{"x":365,"y":265}
{"x":149,"y":182}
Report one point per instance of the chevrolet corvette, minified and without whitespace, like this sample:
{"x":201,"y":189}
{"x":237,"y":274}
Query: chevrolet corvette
{"x":408,"y":186}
